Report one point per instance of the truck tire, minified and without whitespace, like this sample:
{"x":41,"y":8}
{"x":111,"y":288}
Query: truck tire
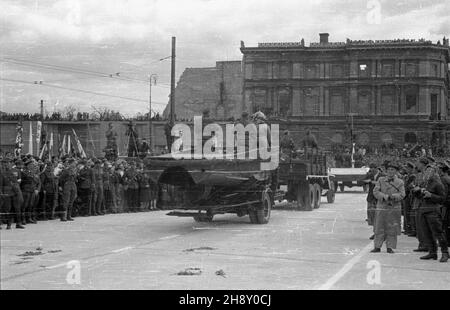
{"x":308,"y":197}
{"x":263,"y":211}
{"x":317,"y":196}
{"x":253,"y":217}
{"x":203,"y":218}
{"x":331,"y":196}
{"x":342,"y":187}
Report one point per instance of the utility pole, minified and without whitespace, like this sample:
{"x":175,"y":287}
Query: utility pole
{"x":42,"y":110}
{"x":150,"y":110}
{"x":351,"y":139}
{"x":172,"y":84}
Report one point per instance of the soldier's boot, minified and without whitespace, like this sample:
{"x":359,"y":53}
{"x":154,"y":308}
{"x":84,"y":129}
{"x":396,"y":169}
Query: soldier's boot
{"x":376,"y":250}
{"x":430,"y":256}
{"x":64,"y":217}
{"x":8,"y":224}
{"x":18,"y":226}
{"x":444,"y":257}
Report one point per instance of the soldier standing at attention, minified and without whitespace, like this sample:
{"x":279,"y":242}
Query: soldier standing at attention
{"x":445,"y":177}
{"x":98,"y":179}
{"x":48,"y":181}
{"x":107,"y":196}
{"x":389,"y":191}
{"x":69,"y":189}
{"x":371,"y":178}
{"x":9,"y":195}
{"x":85,"y":187}
{"x":29,"y":192}
{"x":408,"y":217}
{"x":432,"y":193}
{"x":132,"y":187}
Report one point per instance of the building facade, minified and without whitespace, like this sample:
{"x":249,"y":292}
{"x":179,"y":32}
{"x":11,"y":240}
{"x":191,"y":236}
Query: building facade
{"x":218,"y":89}
{"x":389,"y":91}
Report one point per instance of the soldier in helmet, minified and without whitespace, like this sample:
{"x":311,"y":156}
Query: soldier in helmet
{"x":68,"y":188}
{"x":9,"y":201}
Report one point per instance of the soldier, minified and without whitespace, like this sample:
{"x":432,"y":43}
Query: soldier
{"x":85,"y":187}
{"x":114,"y":185}
{"x":107,"y":187}
{"x":29,"y":191}
{"x":17,"y":171}
{"x":445,"y":177}
{"x":310,"y":141}
{"x":432,"y":194}
{"x":9,"y":200}
{"x":144,"y":188}
{"x":98,"y":181}
{"x":409,"y":223}
{"x":371,"y":178}
{"x":49,"y":187}
{"x":143,"y":148}
{"x":132,"y":140}
{"x":68,"y":188}
{"x":132,"y":188}
{"x":287,"y":145}
{"x":389,"y":191}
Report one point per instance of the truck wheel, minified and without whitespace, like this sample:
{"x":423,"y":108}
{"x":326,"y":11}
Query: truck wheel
{"x":253,"y":217}
{"x":263,"y":211}
{"x":203,"y":218}
{"x":342,"y":187}
{"x":308,"y":198}
{"x":331,"y":195}
{"x":317,"y":196}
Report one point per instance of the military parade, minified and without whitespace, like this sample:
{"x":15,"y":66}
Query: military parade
{"x":211,"y":145}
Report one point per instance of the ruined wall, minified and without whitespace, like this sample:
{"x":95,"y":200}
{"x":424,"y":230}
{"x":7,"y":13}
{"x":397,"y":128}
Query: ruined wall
{"x":218,"y":89}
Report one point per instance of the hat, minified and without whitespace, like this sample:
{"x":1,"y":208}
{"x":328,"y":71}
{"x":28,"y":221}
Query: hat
{"x":392,"y":165}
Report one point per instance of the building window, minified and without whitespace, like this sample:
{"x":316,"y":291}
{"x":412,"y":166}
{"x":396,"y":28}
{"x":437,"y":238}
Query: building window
{"x":337,"y":102}
{"x":259,"y":100}
{"x":337,"y":138}
{"x":435,"y":70}
{"x":411,"y":69}
{"x":387,"y":138}
{"x":363,"y":104}
{"x":411,"y":138}
{"x":260,"y":71}
{"x":363,"y":70}
{"x":311,"y":99}
{"x":363,"y":139}
{"x":311,"y":71}
{"x":285,"y":70}
{"x":284,"y":101}
{"x":411,"y":98}
{"x":388,"y":102}
{"x":387,"y":68}
{"x":337,"y":71}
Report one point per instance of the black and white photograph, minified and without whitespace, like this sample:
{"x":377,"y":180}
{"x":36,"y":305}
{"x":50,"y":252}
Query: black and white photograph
{"x":240,"y":146}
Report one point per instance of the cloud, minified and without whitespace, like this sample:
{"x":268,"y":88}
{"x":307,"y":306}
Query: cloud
{"x":129,"y":36}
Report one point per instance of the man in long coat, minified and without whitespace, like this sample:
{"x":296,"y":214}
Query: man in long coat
{"x":389,"y":191}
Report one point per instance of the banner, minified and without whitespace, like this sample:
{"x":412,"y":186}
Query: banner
{"x":79,"y":146}
{"x":50,"y":148}
{"x":30,"y":141}
{"x":19,"y":141}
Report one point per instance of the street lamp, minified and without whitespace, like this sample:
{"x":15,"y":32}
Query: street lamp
{"x":152,"y":80}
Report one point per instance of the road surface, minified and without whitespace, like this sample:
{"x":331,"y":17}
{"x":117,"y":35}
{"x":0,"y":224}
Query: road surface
{"x":327,"y":248}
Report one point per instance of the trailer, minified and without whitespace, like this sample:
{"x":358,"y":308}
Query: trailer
{"x":307,"y":179}
{"x":217,"y":186}
{"x":349,"y":177}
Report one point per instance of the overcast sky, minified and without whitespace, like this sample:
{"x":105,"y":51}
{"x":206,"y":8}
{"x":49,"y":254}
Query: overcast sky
{"x":130,"y":36}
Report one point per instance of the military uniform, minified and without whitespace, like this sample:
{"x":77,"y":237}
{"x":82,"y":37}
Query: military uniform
{"x":9,"y":200}
{"x":132,"y":189}
{"x":446,"y":207}
{"x":409,"y":223}
{"x":389,"y":192}
{"x":67,"y":181}
{"x":85,"y":188}
{"x":98,"y":196}
{"x":107,"y":189}
{"x":49,"y":187}
{"x":430,"y":216}
{"x":29,"y":187}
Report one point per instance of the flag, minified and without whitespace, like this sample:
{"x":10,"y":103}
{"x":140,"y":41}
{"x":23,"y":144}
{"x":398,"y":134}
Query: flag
{"x":79,"y":146}
{"x":50,"y":148}
{"x":30,"y":141}
{"x":63,"y":147}
{"x":19,"y":141}
{"x":42,"y":151}
{"x":68,"y":144}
